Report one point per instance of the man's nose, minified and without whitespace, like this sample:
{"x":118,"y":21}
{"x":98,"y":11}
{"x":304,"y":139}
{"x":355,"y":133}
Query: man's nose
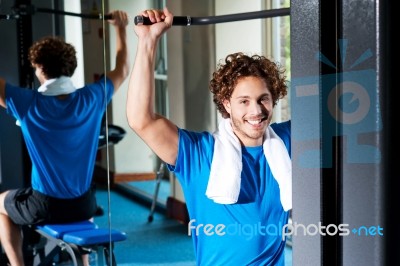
{"x":255,"y":108}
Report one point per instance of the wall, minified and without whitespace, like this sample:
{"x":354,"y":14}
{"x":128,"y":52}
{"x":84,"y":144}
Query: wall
{"x":131,"y":154}
{"x":73,"y":35}
{"x":245,"y":36}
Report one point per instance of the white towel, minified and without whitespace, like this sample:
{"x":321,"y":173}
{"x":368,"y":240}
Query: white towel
{"x":58,"y":86}
{"x":280,"y":164}
{"x":226,"y":167}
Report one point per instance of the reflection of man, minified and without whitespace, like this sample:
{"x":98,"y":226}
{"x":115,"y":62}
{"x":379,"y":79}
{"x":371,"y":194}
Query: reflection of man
{"x":237,"y":182}
{"x":61,"y":126}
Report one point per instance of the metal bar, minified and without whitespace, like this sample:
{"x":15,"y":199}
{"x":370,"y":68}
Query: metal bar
{"x":61,"y":12}
{"x":188,"y":21}
{"x":25,"y":10}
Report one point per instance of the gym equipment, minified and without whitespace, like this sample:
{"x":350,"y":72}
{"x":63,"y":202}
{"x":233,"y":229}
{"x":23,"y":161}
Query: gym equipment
{"x":77,"y":239}
{"x":28,"y":10}
{"x":115,"y":135}
{"x":159,"y":177}
{"x":188,"y":20}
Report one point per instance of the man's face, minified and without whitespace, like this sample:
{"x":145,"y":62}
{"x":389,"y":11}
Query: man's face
{"x":250,"y":108}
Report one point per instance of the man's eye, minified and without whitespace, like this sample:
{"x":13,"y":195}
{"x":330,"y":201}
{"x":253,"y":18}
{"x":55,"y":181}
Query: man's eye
{"x":265,"y":99}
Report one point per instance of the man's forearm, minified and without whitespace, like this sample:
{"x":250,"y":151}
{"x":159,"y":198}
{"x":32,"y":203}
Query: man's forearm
{"x":122,"y":56}
{"x":140,"y":102}
{"x":122,"y":64}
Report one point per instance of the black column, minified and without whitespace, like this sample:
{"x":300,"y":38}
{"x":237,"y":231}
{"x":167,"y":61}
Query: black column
{"x":391,"y":207}
{"x":24,"y":41}
{"x":331,"y":177}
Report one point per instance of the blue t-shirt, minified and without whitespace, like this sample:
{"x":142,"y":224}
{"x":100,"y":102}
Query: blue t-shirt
{"x":61,"y":136}
{"x":246,"y":233}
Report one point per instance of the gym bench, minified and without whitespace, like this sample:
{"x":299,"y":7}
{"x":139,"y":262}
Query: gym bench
{"x":77,"y":239}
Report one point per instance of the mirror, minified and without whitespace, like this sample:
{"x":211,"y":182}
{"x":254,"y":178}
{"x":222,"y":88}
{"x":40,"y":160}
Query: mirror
{"x":22,"y":23}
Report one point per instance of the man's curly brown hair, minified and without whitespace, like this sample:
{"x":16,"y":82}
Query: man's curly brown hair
{"x":56,"y":57}
{"x":239,"y":65}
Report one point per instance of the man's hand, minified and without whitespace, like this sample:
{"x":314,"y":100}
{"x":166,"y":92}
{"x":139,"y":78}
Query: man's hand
{"x":119,"y":18}
{"x":161,"y":21}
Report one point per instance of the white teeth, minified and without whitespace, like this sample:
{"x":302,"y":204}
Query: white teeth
{"x":254,"y":122}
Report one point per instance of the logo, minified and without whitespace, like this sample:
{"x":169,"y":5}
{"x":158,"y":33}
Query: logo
{"x":291,"y":229}
{"x":347,"y":104}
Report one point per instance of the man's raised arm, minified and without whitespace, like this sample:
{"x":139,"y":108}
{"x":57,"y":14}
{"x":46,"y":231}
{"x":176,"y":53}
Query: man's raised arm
{"x":160,"y":134}
{"x":121,"y":71}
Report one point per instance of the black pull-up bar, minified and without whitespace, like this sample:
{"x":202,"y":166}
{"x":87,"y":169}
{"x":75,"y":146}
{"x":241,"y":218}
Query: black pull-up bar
{"x":178,"y":20}
{"x":187,"y":20}
{"x":27,"y":10}
{"x":61,"y":12}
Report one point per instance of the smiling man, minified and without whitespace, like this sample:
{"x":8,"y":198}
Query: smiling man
{"x":237,"y":180}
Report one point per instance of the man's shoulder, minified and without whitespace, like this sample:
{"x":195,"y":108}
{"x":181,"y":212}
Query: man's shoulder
{"x":282,"y":129}
{"x":195,"y":135}
{"x":285,"y":126}
{"x":16,"y":91}
{"x":201,"y":140}
{"x":98,"y":86}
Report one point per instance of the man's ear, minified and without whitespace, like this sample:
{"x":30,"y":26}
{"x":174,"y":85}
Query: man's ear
{"x":227,"y":105}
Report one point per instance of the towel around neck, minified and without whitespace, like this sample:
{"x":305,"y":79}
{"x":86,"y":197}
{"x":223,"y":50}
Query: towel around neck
{"x":57,"y":86}
{"x":226,"y":167}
